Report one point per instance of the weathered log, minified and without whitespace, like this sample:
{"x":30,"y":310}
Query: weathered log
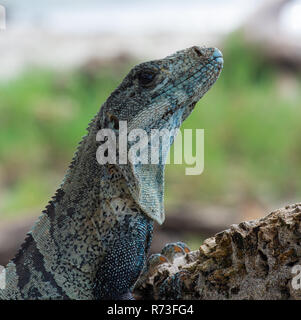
{"x":258,"y":259}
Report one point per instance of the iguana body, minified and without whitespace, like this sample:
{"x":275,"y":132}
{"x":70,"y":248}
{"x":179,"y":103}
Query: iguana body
{"x":92,"y":240}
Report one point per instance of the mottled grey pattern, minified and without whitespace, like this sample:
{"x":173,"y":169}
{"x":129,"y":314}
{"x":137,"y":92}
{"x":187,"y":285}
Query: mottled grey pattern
{"x":93,"y":237}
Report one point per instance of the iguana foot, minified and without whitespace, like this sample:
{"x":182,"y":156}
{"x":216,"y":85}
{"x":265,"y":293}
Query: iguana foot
{"x":167,"y":255}
{"x":170,"y":252}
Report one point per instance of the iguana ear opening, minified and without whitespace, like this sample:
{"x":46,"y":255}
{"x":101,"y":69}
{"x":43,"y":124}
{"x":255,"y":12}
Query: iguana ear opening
{"x":146,"y":184}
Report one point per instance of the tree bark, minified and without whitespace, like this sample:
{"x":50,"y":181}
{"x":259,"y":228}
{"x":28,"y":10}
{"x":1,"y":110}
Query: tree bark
{"x":258,"y":259}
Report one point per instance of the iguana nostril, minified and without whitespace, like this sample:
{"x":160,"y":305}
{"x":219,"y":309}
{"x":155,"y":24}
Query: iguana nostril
{"x":198,"y":51}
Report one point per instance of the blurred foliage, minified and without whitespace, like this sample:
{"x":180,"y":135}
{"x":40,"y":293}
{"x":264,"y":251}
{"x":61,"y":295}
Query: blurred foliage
{"x":252,"y":133}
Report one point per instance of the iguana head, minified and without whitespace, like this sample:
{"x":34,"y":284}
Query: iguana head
{"x":159,"y":94}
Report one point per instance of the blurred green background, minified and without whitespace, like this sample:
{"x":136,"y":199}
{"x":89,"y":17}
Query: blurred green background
{"x":252,"y":133}
{"x":251,"y":118}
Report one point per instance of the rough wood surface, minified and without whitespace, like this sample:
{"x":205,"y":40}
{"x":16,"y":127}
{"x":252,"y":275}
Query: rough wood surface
{"x":251,"y":260}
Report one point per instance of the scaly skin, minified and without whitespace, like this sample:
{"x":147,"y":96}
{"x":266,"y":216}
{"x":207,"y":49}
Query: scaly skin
{"x":92,"y":240}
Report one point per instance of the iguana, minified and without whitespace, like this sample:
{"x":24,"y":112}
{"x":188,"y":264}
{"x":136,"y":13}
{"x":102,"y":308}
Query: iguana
{"x":92,"y":239}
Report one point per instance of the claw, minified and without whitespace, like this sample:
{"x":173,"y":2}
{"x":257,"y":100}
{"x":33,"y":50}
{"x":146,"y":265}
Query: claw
{"x":155,"y":260}
{"x":150,"y":268}
{"x":183,"y":246}
{"x":173,"y":250}
{"x":149,"y":272}
{"x":152,"y":264}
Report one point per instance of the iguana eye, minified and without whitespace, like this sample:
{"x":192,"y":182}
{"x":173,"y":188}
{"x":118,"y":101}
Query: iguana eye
{"x":146,"y":77}
{"x":114,"y":121}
